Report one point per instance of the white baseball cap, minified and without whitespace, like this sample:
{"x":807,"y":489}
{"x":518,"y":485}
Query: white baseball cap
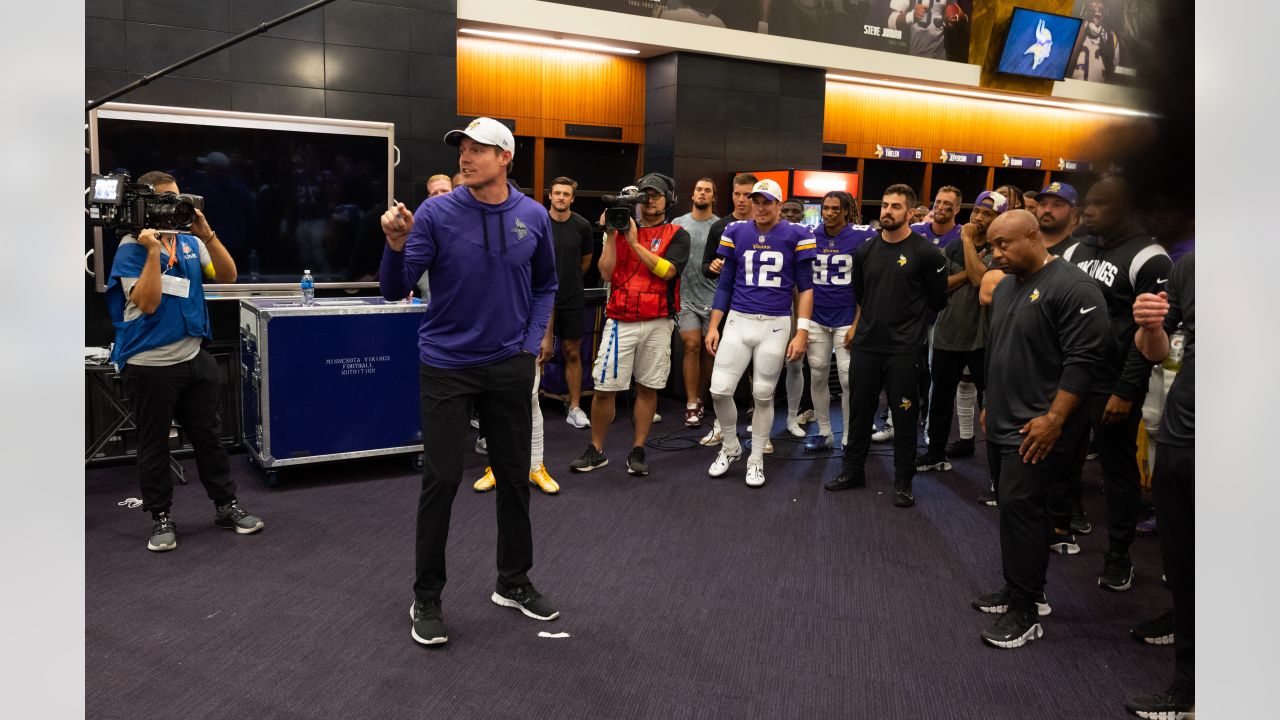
{"x":486,"y":131}
{"x":769,"y":189}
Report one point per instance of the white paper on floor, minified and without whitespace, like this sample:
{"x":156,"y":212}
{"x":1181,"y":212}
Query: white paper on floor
{"x":546,"y":634}
{"x":131,"y":503}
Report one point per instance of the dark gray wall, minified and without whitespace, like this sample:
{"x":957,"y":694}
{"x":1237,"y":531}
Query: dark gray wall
{"x":707,"y":115}
{"x":381,"y":60}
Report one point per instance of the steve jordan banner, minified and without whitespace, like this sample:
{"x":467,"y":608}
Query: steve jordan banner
{"x":926,"y":28}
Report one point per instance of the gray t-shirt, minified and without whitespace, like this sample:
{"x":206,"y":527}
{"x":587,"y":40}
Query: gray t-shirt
{"x":175,"y":352}
{"x":962,"y":324}
{"x":696,"y":289}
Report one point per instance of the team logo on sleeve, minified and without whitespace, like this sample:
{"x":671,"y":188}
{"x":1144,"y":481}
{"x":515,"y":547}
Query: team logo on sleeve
{"x":1035,"y":295}
{"x":520,"y":230}
{"x":902,"y":260}
{"x":905,"y":404}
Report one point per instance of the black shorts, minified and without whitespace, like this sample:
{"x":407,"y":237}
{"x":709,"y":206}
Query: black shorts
{"x":570,"y":322}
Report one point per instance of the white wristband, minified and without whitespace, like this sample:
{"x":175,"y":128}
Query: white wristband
{"x":802,"y":324}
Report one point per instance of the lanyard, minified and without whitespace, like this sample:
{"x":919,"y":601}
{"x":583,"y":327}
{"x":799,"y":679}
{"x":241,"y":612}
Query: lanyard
{"x":171,"y":247}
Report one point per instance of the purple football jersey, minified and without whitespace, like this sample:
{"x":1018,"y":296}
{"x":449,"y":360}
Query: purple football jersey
{"x":833,"y":301}
{"x":762,"y":269}
{"x":941,"y":241}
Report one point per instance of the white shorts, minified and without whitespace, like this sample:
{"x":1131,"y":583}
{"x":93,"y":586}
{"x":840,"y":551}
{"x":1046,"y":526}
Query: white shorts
{"x":760,"y":340}
{"x":641,"y":348}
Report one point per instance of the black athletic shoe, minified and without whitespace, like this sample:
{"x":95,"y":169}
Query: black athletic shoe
{"x":527,"y":600}
{"x":1117,"y":573}
{"x":960,"y":448}
{"x":844,"y":481}
{"x":428,"y":622}
{"x":902,"y":496}
{"x":1155,"y":632}
{"x":932,"y":461}
{"x":1064,"y":543}
{"x":1013,"y":629}
{"x":998,"y":602}
{"x":589,"y":460}
{"x":635,"y":462}
{"x":1160,"y":706}
{"x":164,"y":533}
{"x":988,"y":497}
{"x":1080,"y":524}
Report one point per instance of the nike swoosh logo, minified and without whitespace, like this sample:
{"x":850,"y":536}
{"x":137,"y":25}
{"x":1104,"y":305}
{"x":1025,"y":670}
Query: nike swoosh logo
{"x":939,"y":269}
{"x":777,"y":329}
{"x":1161,"y":281}
{"x":1086,"y":312}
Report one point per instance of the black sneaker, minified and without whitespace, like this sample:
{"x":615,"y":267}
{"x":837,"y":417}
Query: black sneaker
{"x":589,"y":460}
{"x":164,"y":533}
{"x":1013,"y":629}
{"x":1117,"y":573}
{"x":233,"y":517}
{"x":1080,"y":524}
{"x":998,"y":602}
{"x":1160,"y":706}
{"x":1064,"y":542}
{"x":428,"y":622}
{"x":527,"y":600}
{"x":988,"y":497}
{"x":960,"y":448}
{"x":844,"y":481}
{"x":1155,"y":632}
{"x":635,"y":462}
{"x":932,"y":461}
{"x":902,"y":496}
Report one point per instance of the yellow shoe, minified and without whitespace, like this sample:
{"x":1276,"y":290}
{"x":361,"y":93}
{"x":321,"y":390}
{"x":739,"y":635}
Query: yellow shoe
{"x":544,"y":482}
{"x":486,"y":483}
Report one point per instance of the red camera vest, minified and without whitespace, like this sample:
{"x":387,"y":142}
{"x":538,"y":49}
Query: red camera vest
{"x":637,"y":293}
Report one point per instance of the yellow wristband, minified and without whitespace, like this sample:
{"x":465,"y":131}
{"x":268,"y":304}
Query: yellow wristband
{"x":661,"y":267}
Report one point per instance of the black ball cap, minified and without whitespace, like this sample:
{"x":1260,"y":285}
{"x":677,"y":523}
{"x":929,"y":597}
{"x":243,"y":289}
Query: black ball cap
{"x":655,"y":181}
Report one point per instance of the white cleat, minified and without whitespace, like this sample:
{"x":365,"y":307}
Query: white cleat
{"x":657,"y":417}
{"x":755,"y":475}
{"x":722,"y":463}
{"x":713,"y":437}
{"x":806,"y":417}
{"x":793,"y":427}
{"x":884,"y":434}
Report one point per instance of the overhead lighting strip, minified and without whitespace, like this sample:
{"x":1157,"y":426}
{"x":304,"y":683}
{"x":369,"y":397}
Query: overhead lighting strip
{"x":995,"y":97}
{"x":543,"y":40}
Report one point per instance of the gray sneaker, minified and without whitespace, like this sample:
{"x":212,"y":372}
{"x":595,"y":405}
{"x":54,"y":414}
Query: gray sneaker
{"x":232,"y":517}
{"x":164,"y":534}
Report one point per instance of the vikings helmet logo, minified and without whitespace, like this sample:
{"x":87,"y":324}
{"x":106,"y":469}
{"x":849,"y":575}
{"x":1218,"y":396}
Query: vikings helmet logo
{"x":902,"y":260}
{"x":1035,"y":295}
{"x":1039,"y":52}
{"x":905,"y":404}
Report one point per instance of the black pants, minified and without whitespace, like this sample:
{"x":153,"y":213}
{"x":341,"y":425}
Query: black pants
{"x":1173,"y":482}
{"x":500,"y":393}
{"x":186,"y":392}
{"x":947,"y":369}
{"x":1025,"y":523}
{"x":868,"y":372}
{"x":1117,"y":446}
{"x":923,"y":380}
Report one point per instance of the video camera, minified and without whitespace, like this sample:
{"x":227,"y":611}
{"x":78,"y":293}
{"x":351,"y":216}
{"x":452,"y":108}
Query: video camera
{"x":621,"y":207}
{"x":123,"y":206}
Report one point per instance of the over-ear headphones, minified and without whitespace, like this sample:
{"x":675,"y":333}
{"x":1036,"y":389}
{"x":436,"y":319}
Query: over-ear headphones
{"x":668,"y":187}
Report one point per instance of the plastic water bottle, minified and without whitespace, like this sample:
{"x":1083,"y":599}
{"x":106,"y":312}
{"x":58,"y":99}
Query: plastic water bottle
{"x":308,"y":288}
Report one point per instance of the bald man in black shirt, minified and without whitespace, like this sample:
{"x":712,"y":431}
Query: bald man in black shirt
{"x":1049,"y":328}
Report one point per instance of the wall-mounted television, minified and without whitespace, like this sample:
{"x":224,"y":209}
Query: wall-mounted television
{"x":283,"y":193}
{"x":1039,"y":44}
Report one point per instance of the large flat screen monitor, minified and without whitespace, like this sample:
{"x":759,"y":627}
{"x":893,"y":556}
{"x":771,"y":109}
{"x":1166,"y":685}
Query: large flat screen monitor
{"x":283,"y":193}
{"x":1039,"y":44}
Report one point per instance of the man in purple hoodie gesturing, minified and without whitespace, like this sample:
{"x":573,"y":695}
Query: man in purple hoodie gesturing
{"x":489,"y":252}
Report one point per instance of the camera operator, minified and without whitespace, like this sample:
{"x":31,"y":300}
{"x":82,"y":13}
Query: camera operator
{"x":156,"y":299}
{"x":643,"y":265}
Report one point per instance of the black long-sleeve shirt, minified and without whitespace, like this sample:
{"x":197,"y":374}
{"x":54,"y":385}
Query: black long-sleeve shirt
{"x":1048,"y":332}
{"x":713,"y":244}
{"x":1179,"y":424}
{"x":1124,"y":266}
{"x":895,"y":285}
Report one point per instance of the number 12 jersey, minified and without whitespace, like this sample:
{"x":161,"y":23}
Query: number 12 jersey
{"x":761,"y":269}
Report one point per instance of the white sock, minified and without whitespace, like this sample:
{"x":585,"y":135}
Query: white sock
{"x":966,"y":400}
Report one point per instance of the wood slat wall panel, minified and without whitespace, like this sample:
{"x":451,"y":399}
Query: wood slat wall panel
{"x":862,"y":116}
{"x":542,"y":88}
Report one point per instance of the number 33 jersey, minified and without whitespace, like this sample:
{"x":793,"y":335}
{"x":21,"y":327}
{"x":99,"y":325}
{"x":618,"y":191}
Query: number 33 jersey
{"x":762,"y":269}
{"x":833,"y":299}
